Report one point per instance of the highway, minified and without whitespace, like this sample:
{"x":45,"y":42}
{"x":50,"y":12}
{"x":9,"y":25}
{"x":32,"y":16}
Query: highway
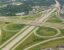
{"x":18,"y":38}
{"x":58,"y":6}
{"x":26,"y":32}
{"x":41,"y":20}
{"x":13,"y":36}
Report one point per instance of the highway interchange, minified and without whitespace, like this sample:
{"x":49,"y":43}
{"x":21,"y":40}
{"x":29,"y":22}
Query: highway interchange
{"x":10,"y":43}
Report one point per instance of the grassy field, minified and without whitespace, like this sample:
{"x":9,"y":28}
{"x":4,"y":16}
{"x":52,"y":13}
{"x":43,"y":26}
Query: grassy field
{"x":54,"y":19}
{"x":62,"y":32}
{"x":1,"y":24}
{"x":45,"y":31}
{"x":50,"y":44}
{"x":32,"y":16}
{"x":14,"y":26}
{"x":7,"y":34}
{"x":32,"y":39}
